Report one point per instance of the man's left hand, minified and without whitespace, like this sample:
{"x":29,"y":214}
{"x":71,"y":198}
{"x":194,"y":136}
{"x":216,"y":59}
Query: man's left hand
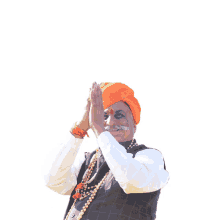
{"x":96,"y":115}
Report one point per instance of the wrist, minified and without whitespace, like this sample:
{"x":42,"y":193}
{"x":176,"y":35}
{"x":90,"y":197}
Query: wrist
{"x":82,"y":125}
{"x":78,"y":131}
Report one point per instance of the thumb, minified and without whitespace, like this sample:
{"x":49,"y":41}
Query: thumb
{"x":88,"y":104}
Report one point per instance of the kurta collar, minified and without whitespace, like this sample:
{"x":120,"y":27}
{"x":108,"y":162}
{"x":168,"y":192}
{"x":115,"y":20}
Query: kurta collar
{"x":126,"y":144}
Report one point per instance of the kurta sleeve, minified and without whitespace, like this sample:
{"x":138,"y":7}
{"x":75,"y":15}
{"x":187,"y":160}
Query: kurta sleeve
{"x":141,"y":174}
{"x":61,"y":175}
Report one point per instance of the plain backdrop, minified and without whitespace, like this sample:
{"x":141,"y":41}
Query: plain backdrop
{"x":168,"y":52}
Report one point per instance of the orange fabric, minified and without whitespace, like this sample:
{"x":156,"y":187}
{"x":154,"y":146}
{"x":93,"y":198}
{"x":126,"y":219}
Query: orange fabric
{"x":77,"y":196}
{"x":79,"y":186}
{"x":78,"y":132}
{"x":115,"y":92}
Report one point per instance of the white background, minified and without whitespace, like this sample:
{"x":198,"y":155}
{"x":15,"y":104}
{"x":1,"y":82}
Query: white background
{"x":168,"y":52}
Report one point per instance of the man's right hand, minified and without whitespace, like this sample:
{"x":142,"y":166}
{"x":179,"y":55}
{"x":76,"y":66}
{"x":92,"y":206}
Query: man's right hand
{"x":84,"y":122}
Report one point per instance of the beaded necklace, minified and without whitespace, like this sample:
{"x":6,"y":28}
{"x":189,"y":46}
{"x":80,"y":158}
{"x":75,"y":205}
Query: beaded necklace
{"x":81,"y":187}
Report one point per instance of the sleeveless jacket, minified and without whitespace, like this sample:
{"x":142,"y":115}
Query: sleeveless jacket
{"x":111,"y":202}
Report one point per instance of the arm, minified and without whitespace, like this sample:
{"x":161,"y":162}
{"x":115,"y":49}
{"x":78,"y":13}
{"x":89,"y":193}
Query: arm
{"x":62,"y":176}
{"x":144,"y":173}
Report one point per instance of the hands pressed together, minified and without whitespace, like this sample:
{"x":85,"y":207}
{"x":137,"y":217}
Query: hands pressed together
{"x":94,"y":115}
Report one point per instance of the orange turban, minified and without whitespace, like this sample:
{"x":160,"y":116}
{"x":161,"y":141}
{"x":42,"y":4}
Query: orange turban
{"x":115,"y":92}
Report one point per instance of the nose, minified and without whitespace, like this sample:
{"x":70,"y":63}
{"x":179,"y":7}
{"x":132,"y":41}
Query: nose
{"x":111,"y":120}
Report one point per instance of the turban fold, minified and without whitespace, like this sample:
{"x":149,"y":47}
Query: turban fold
{"x":115,"y":92}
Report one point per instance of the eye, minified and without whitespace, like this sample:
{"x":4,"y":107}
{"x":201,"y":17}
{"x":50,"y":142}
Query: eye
{"x":106,"y":117}
{"x":119,"y":116}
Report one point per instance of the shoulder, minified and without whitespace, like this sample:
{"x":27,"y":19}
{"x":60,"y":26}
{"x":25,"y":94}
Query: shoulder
{"x":143,"y":149}
{"x":150,"y":156}
{"x":150,"y":153}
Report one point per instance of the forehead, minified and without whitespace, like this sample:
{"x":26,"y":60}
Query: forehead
{"x":118,"y":106}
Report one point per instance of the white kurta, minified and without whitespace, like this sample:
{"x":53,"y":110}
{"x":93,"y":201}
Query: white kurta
{"x":143,"y":173}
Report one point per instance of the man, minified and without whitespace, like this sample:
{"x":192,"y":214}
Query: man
{"x":121,"y":179}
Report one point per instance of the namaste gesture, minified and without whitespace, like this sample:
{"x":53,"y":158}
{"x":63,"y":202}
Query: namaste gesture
{"x":96,"y":114}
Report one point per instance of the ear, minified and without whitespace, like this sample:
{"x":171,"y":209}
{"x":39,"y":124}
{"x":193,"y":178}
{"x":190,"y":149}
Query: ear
{"x":135,"y":127}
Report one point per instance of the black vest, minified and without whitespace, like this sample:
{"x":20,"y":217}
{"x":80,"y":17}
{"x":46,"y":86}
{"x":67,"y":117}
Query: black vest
{"x":111,"y":202}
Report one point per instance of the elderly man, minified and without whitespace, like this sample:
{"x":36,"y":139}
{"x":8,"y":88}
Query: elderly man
{"x":120,"y":179}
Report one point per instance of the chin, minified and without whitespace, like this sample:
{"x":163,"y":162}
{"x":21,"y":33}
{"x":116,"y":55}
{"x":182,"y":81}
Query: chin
{"x":119,"y":139}
{"x":120,"y":136}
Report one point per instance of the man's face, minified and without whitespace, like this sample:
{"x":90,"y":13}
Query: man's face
{"x":117,"y":117}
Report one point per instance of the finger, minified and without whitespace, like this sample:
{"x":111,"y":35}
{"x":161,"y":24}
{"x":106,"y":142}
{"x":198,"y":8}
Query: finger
{"x":97,"y":88}
{"x":93,"y":96}
{"x":89,"y":98}
{"x":88,"y":103}
{"x":93,"y":90}
{"x":96,"y":94}
{"x":93,"y":86}
{"x":95,"y":99}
